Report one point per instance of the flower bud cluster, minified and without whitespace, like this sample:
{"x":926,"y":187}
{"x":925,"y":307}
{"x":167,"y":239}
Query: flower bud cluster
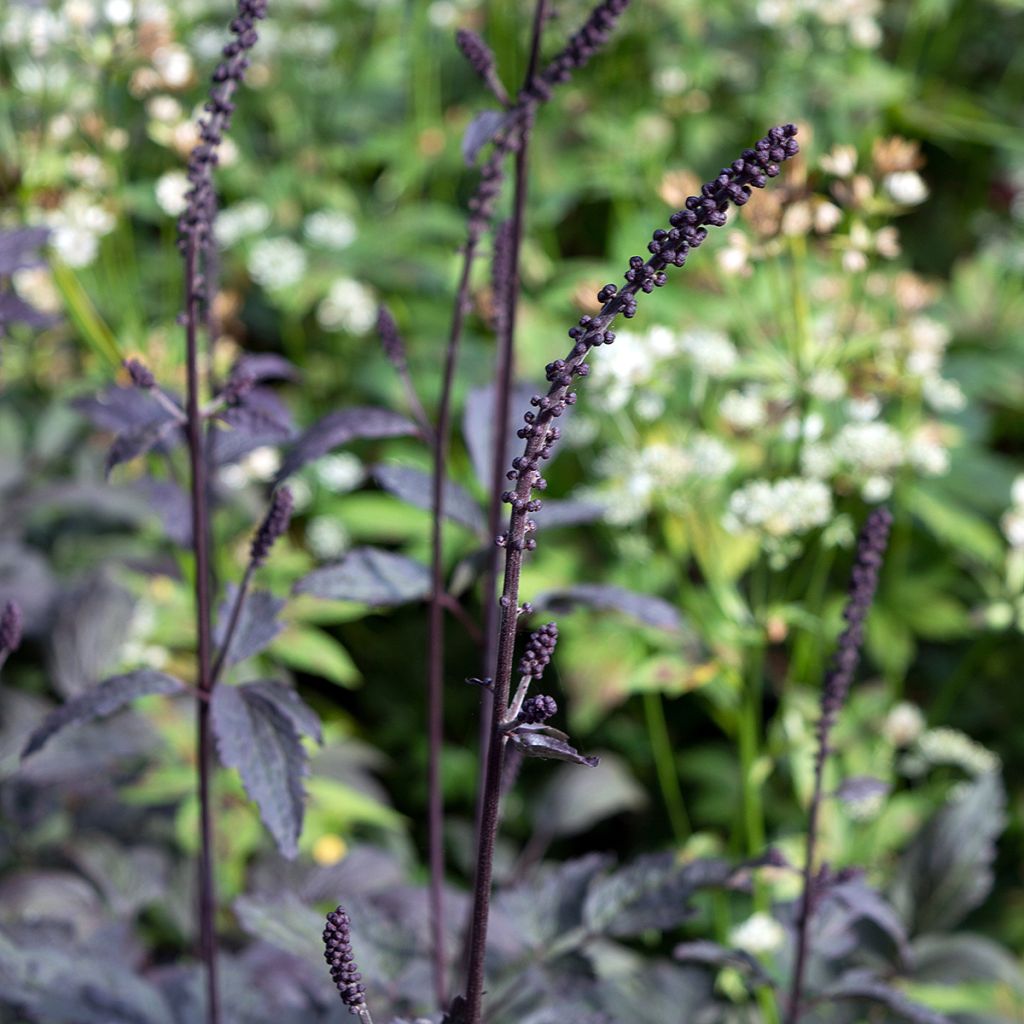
{"x":481,"y":60}
{"x":539,"y":649}
{"x":195,"y":226}
{"x":390,"y":339}
{"x":274,"y":524}
{"x":871,"y":546}
{"x":141,"y":376}
{"x":537,"y":710}
{"x":338,"y":954}
{"x":688,"y":229}
{"x":582,"y":45}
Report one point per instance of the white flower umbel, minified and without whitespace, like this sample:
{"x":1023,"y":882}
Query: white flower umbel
{"x":246,"y":218}
{"x":744,"y":410}
{"x":906,"y":187}
{"x":779,"y":508}
{"x":276,"y":263}
{"x":170,"y":192}
{"x":348,"y":306}
{"x":870,"y":449}
{"x":77,"y":227}
{"x":711,"y":352}
{"x":330,"y":229}
{"x":758,"y":935}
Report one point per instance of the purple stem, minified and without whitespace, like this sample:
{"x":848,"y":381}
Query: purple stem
{"x":205,"y":678}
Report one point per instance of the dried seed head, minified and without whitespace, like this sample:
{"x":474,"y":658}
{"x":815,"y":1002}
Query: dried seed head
{"x":538,"y":709}
{"x":10,"y":628}
{"x":275,"y":522}
{"x":338,"y":954}
{"x":539,"y":649}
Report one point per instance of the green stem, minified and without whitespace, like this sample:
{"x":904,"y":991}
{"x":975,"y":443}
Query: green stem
{"x":664,"y":762}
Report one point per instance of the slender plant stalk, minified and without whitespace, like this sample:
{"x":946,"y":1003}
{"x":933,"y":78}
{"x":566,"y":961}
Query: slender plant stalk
{"x":233,"y":620}
{"x":664,"y":763}
{"x":864,"y":581}
{"x":204,"y":648}
{"x":734,"y":184}
{"x":508,"y":302}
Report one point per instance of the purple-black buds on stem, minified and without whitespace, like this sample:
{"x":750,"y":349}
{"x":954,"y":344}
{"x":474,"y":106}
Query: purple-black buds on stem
{"x":10,"y":629}
{"x":275,"y":522}
{"x":390,"y":340}
{"x":481,"y":60}
{"x":141,"y":376}
{"x":871,"y":545}
{"x":539,"y":709}
{"x":539,"y":649}
{"x":344,"y":971}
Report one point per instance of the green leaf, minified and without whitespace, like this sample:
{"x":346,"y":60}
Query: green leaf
{"x":104,"y":699}
{"x":311,"y":650}
{"x":254,"y":736}
{"x":953,"y":524}
{"x":82,"y":313}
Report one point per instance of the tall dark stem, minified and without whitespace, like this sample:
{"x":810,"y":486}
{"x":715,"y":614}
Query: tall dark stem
{"x":504,"y":375}
{"x":204,"y":649}
{"x":871,"y":546}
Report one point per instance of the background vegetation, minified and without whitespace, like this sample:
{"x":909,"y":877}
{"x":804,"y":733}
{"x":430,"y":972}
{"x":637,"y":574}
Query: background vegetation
{"x":855,"y":336}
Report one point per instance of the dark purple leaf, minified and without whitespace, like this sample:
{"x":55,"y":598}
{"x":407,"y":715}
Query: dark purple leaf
{"x":104,"y":699}
{"x":172,"y":505}
{"x":26,"y":577}
{"x":15,"y":310}
{"x":479,"y":132}
{"x":567,"y":513}
{"x":947,"y":870}
{"x":18,"y":248}
{"x":119,"y":410}
{"x":965,"y":958}
{"x":257,"y":738}
{"x":92,"y":623}
{"x":862,"y":986}
{"x":651,"y":611}
{"x":414,"y":486}
{"x":711,"y":953}
{"x":258,"y":624}
{"x":266,"y":366}
{"x":858,"y":788}
{"x":340,"y":427}
{"x":133,"y":443}
{"x":862,"y":903}
{"x":290,"y":704}
{"x":370,"y":576}
{"x":260,"y":419}
{"x":478,"y":428}
{"x":549,"y":744}
{"x":653,"y":892}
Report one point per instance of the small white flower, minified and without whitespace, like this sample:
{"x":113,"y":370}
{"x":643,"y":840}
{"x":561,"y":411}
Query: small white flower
{"x":854,"y":261}
{"x":670,"y":81}
{"x":442,"y":14}
{"x":813,"y":426}
{"x":118,"y":12}
{"x":710,"y":459}
{"x":711,"y":352}
{"x":262,"y":463}
{"x":80,"y":14}
{"x":927,"y":454}
{"x":876,"y":489}
{"x":340,"y":472}
{"x":331,"y":229}
{"x":903,"y":725}
{"x":864,"y":408}
{"x":906,"y":187}
{"x":872,"y":448}
{"x":827,"y":217}
{"x":77,"y":227}
{"x":648,"y":405}
{"x":818,"y":461}
{"x":950,"y":746}
{"x":758,"y":935}
{"x":1012,"y":524}
{"x":326,"y":537}
{"x":248,"y":217}
{"x":276,"y":263}
{"x":174,"y":64}
{"x":865,"y":33}
{"x":943,"y":395}
{"x":349,"y":306}
{"x":828,"y":385}
{"x":35,"y":285}
{"x":171,"y":188}
{"x":780,"y":508}
{"x":743,"y":410}
{"x":1017,"y":491}
{"x":840,"y":161}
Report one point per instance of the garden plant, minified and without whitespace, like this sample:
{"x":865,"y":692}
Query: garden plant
{"x":749,"y":575}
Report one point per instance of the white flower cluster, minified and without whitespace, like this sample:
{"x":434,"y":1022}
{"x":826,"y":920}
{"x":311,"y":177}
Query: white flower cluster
{"x":348,"y":306}
{"x":277,"y":263}
{"x":330,"y":229}
{"x":758,"y":935}
{"x":76,"y":228}
{"x":903,"y":725}
{"x":1013,"y":518}
{"x":858,"y":17}
{"x":242,"y":220}
{"x":711,"y":352}
{"x":779,"y":508}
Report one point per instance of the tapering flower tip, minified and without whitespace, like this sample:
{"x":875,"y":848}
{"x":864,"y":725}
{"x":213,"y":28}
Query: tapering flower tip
{"x":390,"y":339}
{"x":582,"y":45}
{"x":275,"y":522}
{"x":538,"y":709}
{"x":476,"y":51}
{"x":539,"y":649}
{"x":140,"y":374}
{"x":871,"y":545}
{"x":10,"y":628}
{"x":338,"y":954}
